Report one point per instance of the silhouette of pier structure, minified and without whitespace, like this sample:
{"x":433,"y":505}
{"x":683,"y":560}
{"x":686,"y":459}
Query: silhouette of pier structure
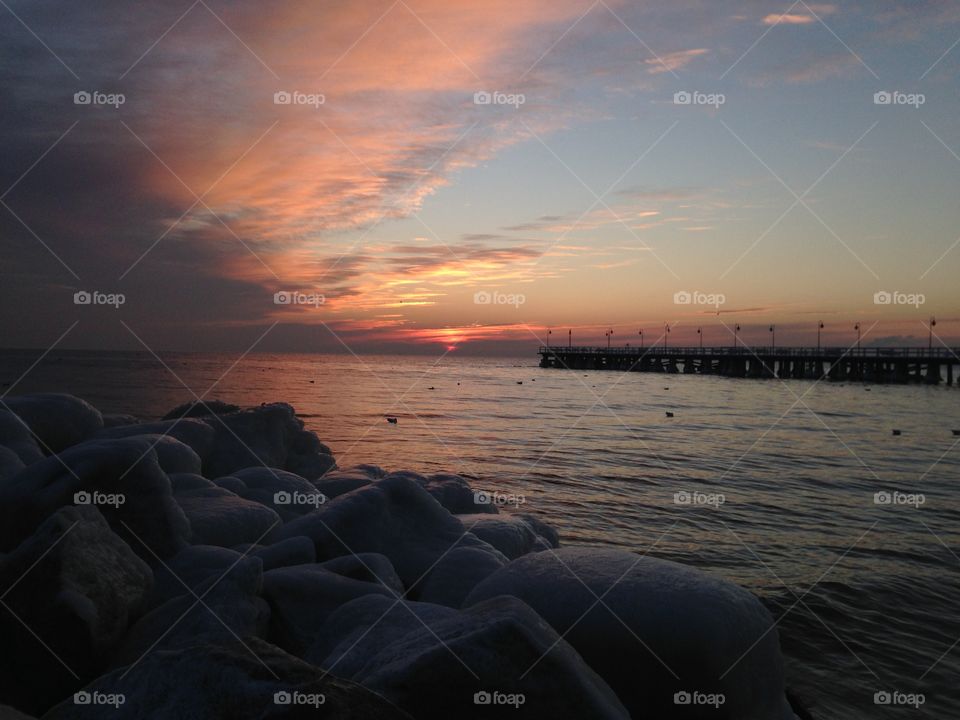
{"x":874,"y":364}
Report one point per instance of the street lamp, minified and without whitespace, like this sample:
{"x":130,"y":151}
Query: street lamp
{"x":700,"y":333}
{"x":549,"y":333}
{"x":641,"y":339}
{"x":736,"y":329}
{"x":773,"y":333}
{"x":608,"y":334}
{"x":819,"y":328}
{"x":933,"y":323}
{"x":570,"y":338}
{"x":666,"y":335}
{"x":857,"y":328}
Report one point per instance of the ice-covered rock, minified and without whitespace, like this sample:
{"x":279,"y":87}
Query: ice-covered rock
{"x":395,"y":517}
{"x":286,"y":494}
{"x":513,"y":535}
{"x":203,"y":408}
{"x":245,"y":679}
{"x":173,"y":455}
{"x":189,"y":569}
{"x":301,"y":597}
{"x":69,"y":592}
{"x":17,"y":437}
{"x":111,"y":420}
{"x":219,"y":517}
{"x":368,"y":567}
{"x":359,"y":629}
{"x":660,"y":628}
{"x":267,"y":436}
{"x":456,"y":574}
{"x":292,"y":551}
{"x":339,"y":482}
{"x":456,"y":495}
{"x":222,"y":607}
{"x":56,"y":420}
{"x":195,"y":433}
{"x":445,"y":670}
{"x":121,"y":477}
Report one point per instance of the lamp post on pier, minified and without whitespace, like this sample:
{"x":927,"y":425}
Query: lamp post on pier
{"x":700,"y":333}
{"x":933,"y":323}
{"x":641,"y":339}
{"x":819,"y":328}
{"x":857,"y":328}
{"x":773,"y":333}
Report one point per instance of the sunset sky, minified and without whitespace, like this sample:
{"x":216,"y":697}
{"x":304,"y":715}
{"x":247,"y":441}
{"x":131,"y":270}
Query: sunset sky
{"x":784,"y":185}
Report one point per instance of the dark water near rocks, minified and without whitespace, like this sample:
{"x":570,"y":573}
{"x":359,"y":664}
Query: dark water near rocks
{"x":867,"y":594}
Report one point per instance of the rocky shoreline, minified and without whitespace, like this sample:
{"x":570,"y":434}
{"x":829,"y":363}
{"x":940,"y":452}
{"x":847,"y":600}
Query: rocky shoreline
{"x":218,"y":564}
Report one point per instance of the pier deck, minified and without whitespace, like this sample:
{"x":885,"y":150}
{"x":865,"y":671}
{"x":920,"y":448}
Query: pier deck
{"x":874,"y":364}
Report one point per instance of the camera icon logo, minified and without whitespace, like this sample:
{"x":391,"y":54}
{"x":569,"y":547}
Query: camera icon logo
{"x":82,"y":98}
{"x":82,"y":498}
{"x":282,"y":97}
{"x":482,"y":298}
{"x":682,"y":698}
{"x":482,"y":698}
{"x":82,"y":298}
{"x":682,"y":298}
{"x":882,"y":297}
{"x":482,"y":97}
{"x":282,"y":498}
{"x":682,"y":498}
{"x":882,"y":98}
{"x":882,"y":498}
{"x":482,"y":497}
{"x":82,"y":698}
{"x":282,"y":697}
{"x":882,"y":698}
{"x":682,"y":98}
{"x":282,"y":297}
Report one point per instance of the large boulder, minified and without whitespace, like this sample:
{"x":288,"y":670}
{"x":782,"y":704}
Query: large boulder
{"x":195,"y":433}
{"x":16,"y":435}
{"x":456,"y":495}
{"x":189,"y":569}
{"x":292,"y":551}
{"x":653,"y":628}
{"x":69,"y":593}
{"x":224,"y":606}
{"x":245,"y":679}
{"x":56,"y":420}
{"x":219,"y":517}
{"x":283,"y":492}
{"x":456,"y":574}
{"x":441,"y":663}
{"x":301,"y":597}
{"x":122,"y":477}
{"x":513,"y":535}
{"x":267,"y":436}
{"x":174,"y":456}
{"x":395,"y":517}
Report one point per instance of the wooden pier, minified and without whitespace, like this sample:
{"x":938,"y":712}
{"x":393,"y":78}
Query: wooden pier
{"x":878,"y":365}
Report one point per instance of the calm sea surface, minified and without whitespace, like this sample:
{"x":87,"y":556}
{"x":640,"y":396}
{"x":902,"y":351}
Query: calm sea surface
{"x":866,"y":594}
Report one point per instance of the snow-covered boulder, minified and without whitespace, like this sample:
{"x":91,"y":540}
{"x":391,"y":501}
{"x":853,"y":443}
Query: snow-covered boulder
{"x":301,"y":597}
{"x":395,"y":517}
{"x":283,"y":492}
{"x":368,"y":567}
{"x":189,"y":569}
{"x":456,"y":495}
{"x":18,"y":438}
{"x":219,"y":517}
{"x":660,"y":628}
{"x":195,"y":433}
{"x":445,"y":670}
{"x":341,"y":481}
{"x":69,"y":591}
{"x":292,"y":551}
{"x":357,"y":630}
{"x":245,"y":679}
{"x":173,"y":455}
{"x":56,"y":420}
{"x":457,"y":573}
{"x":111,"y":420}
{"x":121,"y":477}
{"x":203,"y":408}
{"x":513,"y":535}
{"x":222,"y":607}
{"x":267,"y":436}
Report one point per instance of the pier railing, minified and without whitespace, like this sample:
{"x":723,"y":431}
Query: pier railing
{"x":902,"y":353}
